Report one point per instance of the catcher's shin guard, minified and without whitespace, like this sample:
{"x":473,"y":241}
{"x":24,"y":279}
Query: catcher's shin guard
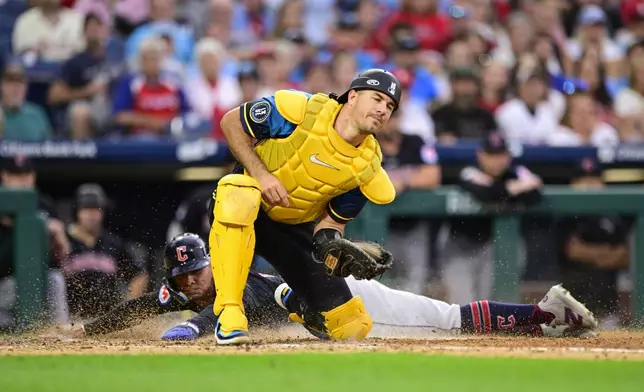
{"x":348,"y":321}
{"x":232,"y":243}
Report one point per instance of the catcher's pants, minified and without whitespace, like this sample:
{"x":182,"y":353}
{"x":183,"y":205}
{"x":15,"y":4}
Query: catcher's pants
{"x":289,"y":249}
{"x":399,"y":311}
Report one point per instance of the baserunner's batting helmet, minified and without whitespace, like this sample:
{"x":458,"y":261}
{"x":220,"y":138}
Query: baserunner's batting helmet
{"x":183,"y":254}
{"x":378,"y":80}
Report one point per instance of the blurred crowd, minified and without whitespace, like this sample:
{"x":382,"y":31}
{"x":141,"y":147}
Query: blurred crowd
{"x":549,"y":72}
{"x":493,"y":72}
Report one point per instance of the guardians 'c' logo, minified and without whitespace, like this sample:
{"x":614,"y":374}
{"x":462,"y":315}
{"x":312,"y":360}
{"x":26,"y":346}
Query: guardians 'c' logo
{"x":181,"y":253}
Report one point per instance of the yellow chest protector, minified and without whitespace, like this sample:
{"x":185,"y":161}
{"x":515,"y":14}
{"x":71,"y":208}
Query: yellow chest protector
{"x":315,"y":164}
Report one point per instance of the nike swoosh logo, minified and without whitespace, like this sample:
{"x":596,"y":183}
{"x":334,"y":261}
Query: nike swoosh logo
{"x":314,"y":159}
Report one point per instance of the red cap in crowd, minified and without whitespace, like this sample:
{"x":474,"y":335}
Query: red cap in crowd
{"x":632,"y":11}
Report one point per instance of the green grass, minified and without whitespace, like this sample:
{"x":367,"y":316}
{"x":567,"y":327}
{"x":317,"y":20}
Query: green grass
{"x":314,"y":372}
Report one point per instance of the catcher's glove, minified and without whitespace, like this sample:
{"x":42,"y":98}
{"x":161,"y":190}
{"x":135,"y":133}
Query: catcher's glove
{"x":341,"y":257}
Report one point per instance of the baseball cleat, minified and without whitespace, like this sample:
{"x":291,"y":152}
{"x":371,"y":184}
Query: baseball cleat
{"x":234,"y":337}
{"x":566,"y":310}
{"x":237,"y":333}
{"x":281,"y":295}
{"x":567,"y":331}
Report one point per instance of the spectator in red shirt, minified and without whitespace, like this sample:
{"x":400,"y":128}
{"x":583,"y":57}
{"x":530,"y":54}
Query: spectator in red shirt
{"x":432,"y":29}
{"x":146,"y":103}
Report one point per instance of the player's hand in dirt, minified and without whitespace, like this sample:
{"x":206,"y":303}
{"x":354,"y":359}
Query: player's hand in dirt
{"x":273,"y":192}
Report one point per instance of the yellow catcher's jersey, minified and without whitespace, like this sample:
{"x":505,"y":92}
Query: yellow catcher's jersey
{"x":319,"y":169}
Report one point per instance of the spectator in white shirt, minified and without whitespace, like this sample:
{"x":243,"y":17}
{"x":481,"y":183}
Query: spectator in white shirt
{"x":581,"y":127}
{"x":529,"y":118}
{"x":209,"y":91}
{"x":51,"y":32}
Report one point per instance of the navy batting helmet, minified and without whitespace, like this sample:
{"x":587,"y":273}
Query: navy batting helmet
{"x":183,"y":254}
{"x":378,"y":80}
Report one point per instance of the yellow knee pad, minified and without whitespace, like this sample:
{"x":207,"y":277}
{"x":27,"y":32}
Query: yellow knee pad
{"x":238,"y":200}
{"x":348,"y":321}
{"x":232,"y":243}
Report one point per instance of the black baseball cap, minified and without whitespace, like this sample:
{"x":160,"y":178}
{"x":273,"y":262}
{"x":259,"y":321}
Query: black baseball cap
{"x":378,"y":80}
{"x":588,"y":167}
{"x":19,"y":164}
{"x":494,"y":143}
{"x":91,"y":196}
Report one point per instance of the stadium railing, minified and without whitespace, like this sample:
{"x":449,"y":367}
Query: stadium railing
{"x":372,"y":224}
{"x":30,"y":250}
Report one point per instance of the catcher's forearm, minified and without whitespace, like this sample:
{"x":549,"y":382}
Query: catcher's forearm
{"x":326,"y":230}
{"x":326,"y":222}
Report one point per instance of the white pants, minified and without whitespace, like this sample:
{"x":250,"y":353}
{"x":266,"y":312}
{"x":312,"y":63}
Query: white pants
{"x":399,"y":312}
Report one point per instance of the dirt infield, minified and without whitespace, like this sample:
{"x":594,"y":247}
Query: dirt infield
{"x":622,"y":345}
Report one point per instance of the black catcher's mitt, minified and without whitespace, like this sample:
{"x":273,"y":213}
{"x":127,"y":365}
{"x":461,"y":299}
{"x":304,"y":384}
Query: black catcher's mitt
{"x":341,"y":257}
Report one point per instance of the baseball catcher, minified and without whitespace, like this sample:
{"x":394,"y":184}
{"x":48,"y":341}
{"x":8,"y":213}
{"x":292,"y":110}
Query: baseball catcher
{"x":270,"y":302}
{"x":307,"y":166}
